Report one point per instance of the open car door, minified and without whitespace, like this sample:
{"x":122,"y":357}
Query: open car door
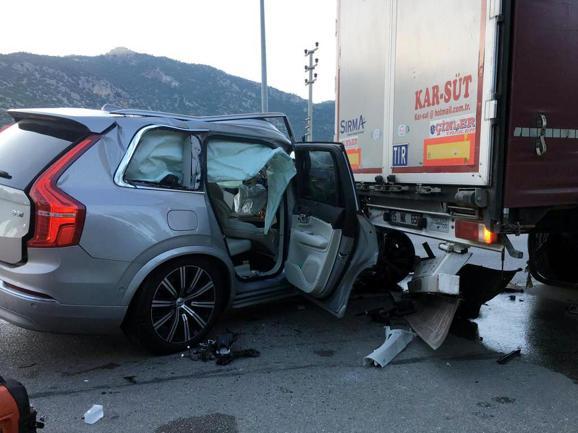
{"x":331,"y":242}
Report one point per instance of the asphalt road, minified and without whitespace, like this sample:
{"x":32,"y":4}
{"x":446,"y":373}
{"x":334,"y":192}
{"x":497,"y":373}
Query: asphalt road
{"x":310,"y":376}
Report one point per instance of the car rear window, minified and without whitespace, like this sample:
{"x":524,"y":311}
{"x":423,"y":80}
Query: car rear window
{"x":29,"y":146}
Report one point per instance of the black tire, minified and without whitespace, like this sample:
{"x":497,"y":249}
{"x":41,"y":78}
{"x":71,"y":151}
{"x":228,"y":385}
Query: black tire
{"x":169,"y":314}
{"x":396,"y":260}
{"x":396,"y":256}
{"x":552,"y":258}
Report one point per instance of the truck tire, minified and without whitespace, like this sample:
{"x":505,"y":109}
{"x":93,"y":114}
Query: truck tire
{"x":177,"y":305}
{"x":396,"y":257}
{"x":551,"y":258}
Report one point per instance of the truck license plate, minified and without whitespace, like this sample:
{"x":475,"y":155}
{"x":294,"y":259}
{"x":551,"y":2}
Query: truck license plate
{"x":407,"y":219}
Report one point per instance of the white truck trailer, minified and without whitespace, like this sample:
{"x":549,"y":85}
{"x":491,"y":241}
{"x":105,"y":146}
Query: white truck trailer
{"x":460,"y":123}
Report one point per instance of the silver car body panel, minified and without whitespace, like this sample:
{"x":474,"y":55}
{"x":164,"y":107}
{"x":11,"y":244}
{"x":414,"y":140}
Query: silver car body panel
{"x":68,"y":275}
{"x":42,"y":315}
{"x":63,"y":290}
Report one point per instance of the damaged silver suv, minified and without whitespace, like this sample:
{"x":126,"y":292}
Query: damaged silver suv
{"x":156,"y":223}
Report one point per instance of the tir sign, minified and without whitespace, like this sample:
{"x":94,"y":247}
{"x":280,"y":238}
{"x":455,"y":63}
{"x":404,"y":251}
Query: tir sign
{"x":399,"y":155}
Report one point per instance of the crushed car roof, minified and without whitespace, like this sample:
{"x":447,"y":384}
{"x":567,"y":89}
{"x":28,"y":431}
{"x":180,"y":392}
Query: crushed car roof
{"x":97,"y":121}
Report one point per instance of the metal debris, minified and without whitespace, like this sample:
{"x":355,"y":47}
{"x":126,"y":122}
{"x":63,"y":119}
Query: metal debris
{"x":398,"y":309}
{"x":396,"y":340}
{"x":220,"y":350}
{"x":508,"y":357}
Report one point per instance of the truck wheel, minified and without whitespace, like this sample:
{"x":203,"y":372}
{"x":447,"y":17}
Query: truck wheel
{"x":177,"y":305}
{"x":551,"y":258}
{"x":396,"y":256}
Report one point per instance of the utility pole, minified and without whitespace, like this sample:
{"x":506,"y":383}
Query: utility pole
{"x":264,"y":89}
{"x":312,"y":78}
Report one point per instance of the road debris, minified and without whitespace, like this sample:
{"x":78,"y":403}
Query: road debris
{"x":433,"y":319}
{"x":398,"y":309}
{"x":529,"y":284}
{"x":220,"y":350}
{"x":573,"y":309}
{"x":508,"y":357}
{"x":94,"y":414}
{"x":130,"y":379}
{"x":396,"y":340}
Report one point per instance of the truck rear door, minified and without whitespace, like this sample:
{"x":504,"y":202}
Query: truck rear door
{"x":416,"y":89}
{"x":542,"y":143}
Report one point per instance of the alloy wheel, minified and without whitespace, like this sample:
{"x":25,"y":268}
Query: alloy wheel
{"x":183,"y":304}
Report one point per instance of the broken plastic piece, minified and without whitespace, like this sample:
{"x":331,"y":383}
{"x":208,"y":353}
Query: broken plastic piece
{"x":508,"y":357}
{"x":395,"y":341}
{"x":94,"y":414}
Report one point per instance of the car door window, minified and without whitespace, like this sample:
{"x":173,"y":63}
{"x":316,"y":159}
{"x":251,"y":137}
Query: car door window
{"x":320,"y":181}
{"x":166,"y":158}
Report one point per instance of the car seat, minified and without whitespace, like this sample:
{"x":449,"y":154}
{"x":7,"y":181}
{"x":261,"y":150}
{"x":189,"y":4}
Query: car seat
{"x":233,"y":227}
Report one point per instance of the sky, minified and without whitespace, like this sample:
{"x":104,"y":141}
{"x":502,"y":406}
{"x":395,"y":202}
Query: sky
{"x":221,"y":33}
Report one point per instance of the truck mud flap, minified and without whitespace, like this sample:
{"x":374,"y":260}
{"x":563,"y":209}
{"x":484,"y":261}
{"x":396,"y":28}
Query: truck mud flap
{"x":434,"y":316}
{"x":479,"y":285}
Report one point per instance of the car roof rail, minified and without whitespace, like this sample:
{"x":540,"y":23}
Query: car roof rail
{"x":145,"y":113}
{"x":218,"y":118}
{"x":253,"y":116}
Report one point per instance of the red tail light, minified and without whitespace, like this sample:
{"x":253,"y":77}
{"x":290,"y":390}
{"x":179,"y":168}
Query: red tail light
{"x":475,"y":231}
{"x":59,"y":218}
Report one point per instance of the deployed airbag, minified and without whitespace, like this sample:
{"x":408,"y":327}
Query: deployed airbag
{"x":237,"y":161}
{"x":159,"y":154}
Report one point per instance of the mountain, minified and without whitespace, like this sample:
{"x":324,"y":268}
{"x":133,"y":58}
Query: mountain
{"x":128,"y":79}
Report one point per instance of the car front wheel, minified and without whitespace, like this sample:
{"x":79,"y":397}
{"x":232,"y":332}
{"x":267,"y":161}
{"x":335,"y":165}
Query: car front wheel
{"x":177,"y":305}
